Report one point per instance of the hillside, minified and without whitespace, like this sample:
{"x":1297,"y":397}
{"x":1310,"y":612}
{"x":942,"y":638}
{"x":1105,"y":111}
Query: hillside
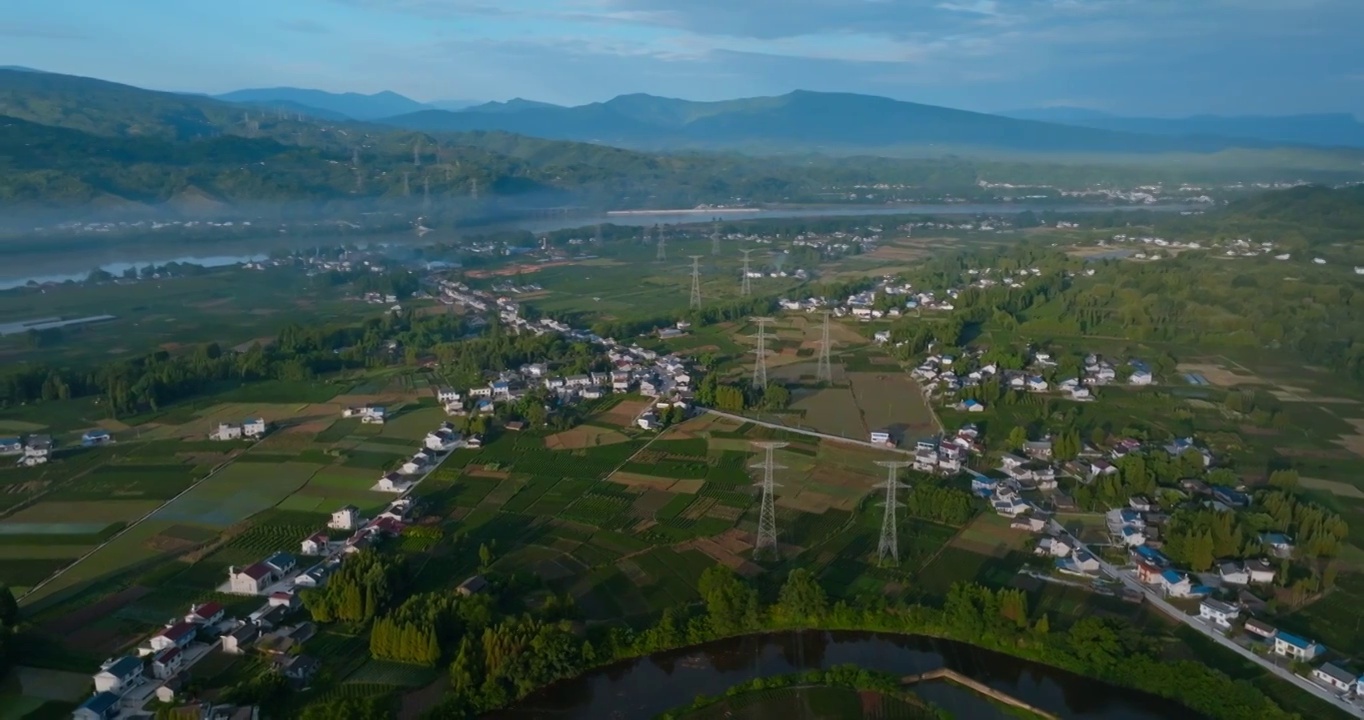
{"x":804,"y":121}
{"x":1304,"y":217}
{"x":354,"y":106}
{"x":1320,"y":130}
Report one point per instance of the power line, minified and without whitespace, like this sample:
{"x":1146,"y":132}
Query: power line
{"x":767,"y":514}
{"x":760,"y":363}
{"x":824,"y":372}
{"x":890,"y":541}
{"x":695,"y":281}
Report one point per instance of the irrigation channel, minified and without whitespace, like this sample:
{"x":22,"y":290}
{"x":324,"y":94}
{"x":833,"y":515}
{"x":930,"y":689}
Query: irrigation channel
{"x":643,"y":688}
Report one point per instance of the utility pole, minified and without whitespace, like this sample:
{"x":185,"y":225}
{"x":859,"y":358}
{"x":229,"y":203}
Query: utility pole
{"x":890,"y":540}
{"x":824,"y":372}
{"x":760,"y":363}
{"x":745,"y":287}
{"x":695,"y":281}
{"x":767,"y":514}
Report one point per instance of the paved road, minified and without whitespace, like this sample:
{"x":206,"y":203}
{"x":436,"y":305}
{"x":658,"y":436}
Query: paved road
{"x":811,"y":433}
{"x":1159,"y":603}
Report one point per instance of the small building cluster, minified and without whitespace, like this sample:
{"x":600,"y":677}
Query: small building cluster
{"x":31,"y":451}
{"x":249,"y":429}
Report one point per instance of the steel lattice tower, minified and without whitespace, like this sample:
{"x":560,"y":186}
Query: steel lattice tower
{"x":695,"y":280}
{"x":760,"y":363}
{"x":662,"y":246}
{"x":890,"y":540}
{"x":715,"y":239}
{"x":824,"y":372}
{"x":745,"y":287}
{"x":767,"y":514}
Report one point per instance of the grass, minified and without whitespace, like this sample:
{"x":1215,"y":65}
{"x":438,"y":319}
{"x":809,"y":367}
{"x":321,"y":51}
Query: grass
{"x":236,"y":493}
{"x":1334,"y":619}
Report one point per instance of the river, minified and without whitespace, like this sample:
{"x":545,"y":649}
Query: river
{"x":640,"y":689}
{"x":115,"y":257}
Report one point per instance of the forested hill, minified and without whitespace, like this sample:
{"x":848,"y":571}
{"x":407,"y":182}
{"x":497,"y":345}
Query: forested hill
{"x":1310,"y":215}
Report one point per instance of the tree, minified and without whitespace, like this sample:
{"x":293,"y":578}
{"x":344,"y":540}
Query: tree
{"x":1286,"y":480}
{"x":1017,"y":437}
{"x":802,"y":599}
{"x":731,"y":604}
{"x":9,"y":608}
{"x":485,"y":557}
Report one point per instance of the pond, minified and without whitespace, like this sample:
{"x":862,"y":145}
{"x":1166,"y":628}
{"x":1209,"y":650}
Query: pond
{"x":648,"y":686}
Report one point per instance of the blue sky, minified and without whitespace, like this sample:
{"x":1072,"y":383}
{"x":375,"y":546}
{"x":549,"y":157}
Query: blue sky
{"x":1147,"y":57}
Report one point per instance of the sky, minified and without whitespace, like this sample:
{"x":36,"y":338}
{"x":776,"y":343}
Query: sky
{"x":1131,"y":57}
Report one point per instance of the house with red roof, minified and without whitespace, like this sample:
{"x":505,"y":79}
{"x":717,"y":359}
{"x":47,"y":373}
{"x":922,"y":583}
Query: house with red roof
{"x":250,"y":580}
{"x":167,"y":663}
{"x":207,"y":613}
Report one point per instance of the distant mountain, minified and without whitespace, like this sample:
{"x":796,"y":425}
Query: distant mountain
{"x":452,"y":104}
{"x":20,"y":68}
{"x":356,"y":106}
{"x":1321,"y":130}
{"x":510,"y":106}
{"x":800,"y":121}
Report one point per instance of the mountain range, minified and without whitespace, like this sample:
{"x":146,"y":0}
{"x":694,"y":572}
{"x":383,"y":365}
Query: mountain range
{"x":337,"y":106}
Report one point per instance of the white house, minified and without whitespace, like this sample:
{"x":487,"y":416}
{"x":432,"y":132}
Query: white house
{"x":11,"y":446}
{"x":1219,"y":613}
{"x":316,"y":544}
{"x":207,"y":613}
{"x":441,"y":440}
{"x":415,"y":464}
{"x":1260,"y":571}
{"x":347,"y":518}
{"x":37,"y":449}
{"x":1176,"y":584}
{"x":1335,"y":677}
{"x":176,"y":636}
{"x":1290,"y":645}
{"x":1141,"y":377}
{"x":254,"y":427}
{"x":1054,"y":547}
{"x":167,"y":663}
{"x":1233,"y":573}
{"x":227,"y":431}
{"x":100,"y":706}
{"x":446,"y":395}
{"x":880,"y":437}
{"x":117,"y":676}
{"x":391,"y":482}
{"x":250,"y":580}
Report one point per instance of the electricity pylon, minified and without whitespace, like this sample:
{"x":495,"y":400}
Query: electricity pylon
{"x":824,"y":372}
{"x":890,"y":540}
{"x":662,"y":246}
{"x":695,"y":281}
{"x":760,"y":362}
{"x":715,"y":239}
{"x":767,"y":513}
{"x":745,"y":287}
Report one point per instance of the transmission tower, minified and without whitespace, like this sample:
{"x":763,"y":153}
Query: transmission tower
{"x":426,"y":194}
{"x":715,"y":239}
{"x":823,"y":372}
{"x":745,"y":287}
{"x":767,"y":515}
{"x":417,"y":153}
{"x":695,"y":281}
{"x":890,"y":540}
{"x":596,"y":238}
{"x":407,"y":187}
{"x":760,"y":364}
{"x":662,"y":246}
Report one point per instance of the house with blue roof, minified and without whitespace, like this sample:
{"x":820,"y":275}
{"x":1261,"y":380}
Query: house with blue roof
{"x":100,"y":706}
{"x":11,"y":446}
{"x":1296,"y":647}
{"x":1152,"y":555}
{"x":1279,"y":545}
{"x":1176,"y":584}
{"x":91,"y":438}
{"x":117,"y":676}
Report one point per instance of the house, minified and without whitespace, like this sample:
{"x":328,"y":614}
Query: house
{"x":472,"y":586}
{"x":441,"y":440}
{"x":93,"y":438}
{"x":1280,"y":545}
{"x":1132,"y":537}
{"x":1029,"y":524}
{"x":284,"y":599}
{"x":1140,"y":503}
{"x":881,"y":337}
{"x":254,"y":427}
{"x":208,"y":613}
{"x":1054,"y":546}
{"x":100,"y":706}
{"x":1036,"y":384}
{"x":973,"y":406}
{"x":347,"y":518}
{"x":1260,"y":571}
{"x":1233,"y":574}
{"x":372,"y":415}
{"x":1335,"y":677}
{"x":299,"y":668}
{"x":176,"y":636}
{"x":1141,"y":377}
{"x":11,"y":446}
{"x":250,"y":580}
{"x":117,"y":676}
{"x":281,"y":563}
{"x":235,"y":642}
{"x":315,"y":544}
{"x":1037,"y":448}
{"x":37,"y":449}
{"x":166,"y":692}
{"x":880,"y":437}
{"x":1176,"y":584}
{"x":227,"y":431}
{"x":391,"y":482}
{"x":446,"y":395}
{"x":415,"y":464}
{"x":1231,"y":497}
{"x":1298,"y":648}
{"x":1218,"y":613}
{"x":167,"y":663}
{"x":1260,"y":629}
{"x":1147,"y":572}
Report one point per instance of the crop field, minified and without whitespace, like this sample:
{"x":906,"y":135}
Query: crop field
{"x":893,"y":401}
{"x":831,"y":410}
{"x":236,"y":493}
{"x":132,"y":482}
{"x":1334,"y":616}
{"x":73,"y":517}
